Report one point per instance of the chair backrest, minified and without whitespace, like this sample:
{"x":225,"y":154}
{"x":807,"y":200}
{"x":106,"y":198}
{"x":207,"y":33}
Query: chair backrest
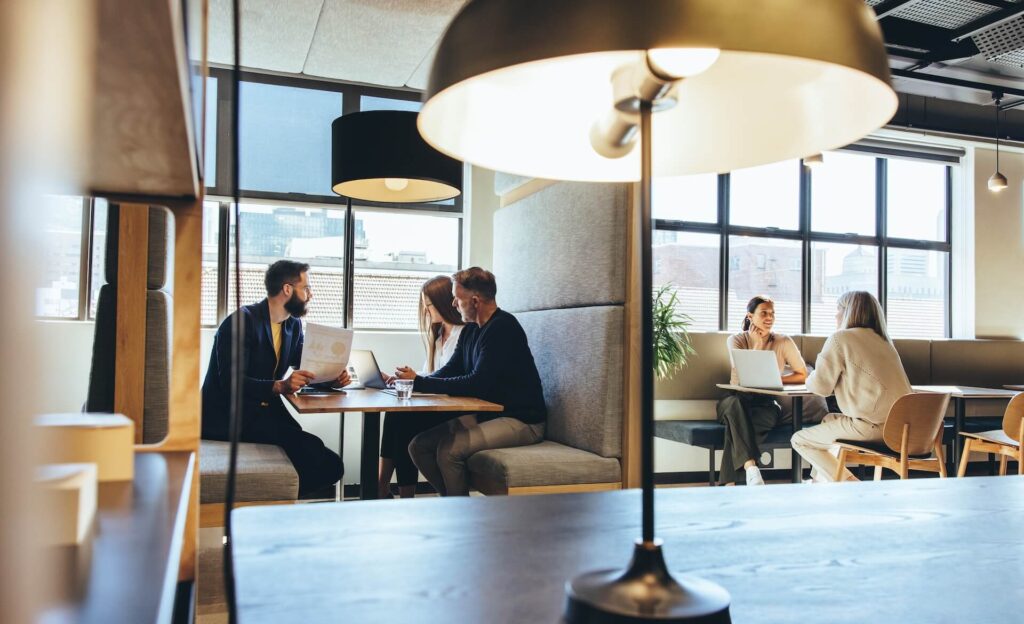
{"x":923,"y":412}
{"x":1013,"y":415}
{"x":560,"y":263}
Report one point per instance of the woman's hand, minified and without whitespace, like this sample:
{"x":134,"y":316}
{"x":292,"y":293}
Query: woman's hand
{"x":758,"y":335}
{"x":404,"y":372}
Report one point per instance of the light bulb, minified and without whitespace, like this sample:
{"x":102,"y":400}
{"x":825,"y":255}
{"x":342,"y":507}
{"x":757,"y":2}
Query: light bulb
{"x":682,"y":62}
{"x":396,"y":184}
{"x":997,"y":182}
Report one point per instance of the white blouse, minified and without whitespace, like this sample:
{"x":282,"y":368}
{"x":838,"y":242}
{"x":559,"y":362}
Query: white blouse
{"x":443,"y":352}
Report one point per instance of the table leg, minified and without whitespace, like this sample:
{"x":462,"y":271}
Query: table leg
{"x":340,"y":494}
{"x":959,"y":413}
{"x":798,"y":417}
{"x":368,"y":456}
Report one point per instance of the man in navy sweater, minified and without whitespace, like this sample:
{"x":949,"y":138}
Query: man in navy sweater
{"x":273,"y":342}
{"x":492,"y":362}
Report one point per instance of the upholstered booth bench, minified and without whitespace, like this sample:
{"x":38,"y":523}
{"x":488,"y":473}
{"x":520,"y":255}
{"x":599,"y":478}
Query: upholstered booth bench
{"x":685,"y":409}
{"x":263,"y":475}
{"x":560,"y":264}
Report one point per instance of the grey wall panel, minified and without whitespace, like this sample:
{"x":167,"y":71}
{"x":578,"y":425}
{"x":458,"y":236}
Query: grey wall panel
{"x":564,"y":246}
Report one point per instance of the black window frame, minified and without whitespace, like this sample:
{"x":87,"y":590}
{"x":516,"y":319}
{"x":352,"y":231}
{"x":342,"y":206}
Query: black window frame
{"x":880,"y":240}
{"x":221,"y":192}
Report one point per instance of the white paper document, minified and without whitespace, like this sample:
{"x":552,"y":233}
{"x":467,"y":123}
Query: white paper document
{"x":325,"y":351}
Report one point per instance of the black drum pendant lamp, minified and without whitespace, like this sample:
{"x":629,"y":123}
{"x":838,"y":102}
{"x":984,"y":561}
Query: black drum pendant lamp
{"x":380,"y":156}
{"x":577,"y":89}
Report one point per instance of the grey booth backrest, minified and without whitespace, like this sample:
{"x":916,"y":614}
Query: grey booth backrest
{"x":560,"y":263}
{"x":159,"y":305}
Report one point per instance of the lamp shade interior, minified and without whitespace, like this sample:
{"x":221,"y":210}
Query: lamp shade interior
{"x":765,"y":98}
{"x":380,"y":156}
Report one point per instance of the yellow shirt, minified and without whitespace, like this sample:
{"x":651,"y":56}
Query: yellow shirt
{"x":275,"y":333}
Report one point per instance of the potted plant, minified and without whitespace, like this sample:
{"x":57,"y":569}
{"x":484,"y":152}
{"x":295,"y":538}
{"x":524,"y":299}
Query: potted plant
{"x":671,"y":336}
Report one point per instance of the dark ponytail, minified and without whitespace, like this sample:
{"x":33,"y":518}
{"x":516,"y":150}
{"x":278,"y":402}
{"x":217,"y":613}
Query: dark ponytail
{"x":752,"y":306}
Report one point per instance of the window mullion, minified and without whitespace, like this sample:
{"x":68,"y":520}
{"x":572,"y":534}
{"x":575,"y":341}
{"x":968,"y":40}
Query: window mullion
{"x":723,"y":263}
{"x":805,"y":231}
{"x":882,"y":228}
{"x":85,"y":260}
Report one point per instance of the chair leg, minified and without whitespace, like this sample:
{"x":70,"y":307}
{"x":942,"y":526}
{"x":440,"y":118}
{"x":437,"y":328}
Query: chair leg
{"x":940,"y":457}
{"x":1002,"y":465}
{"x":711,"y":467}
{"x":842,"y":465}
{"x":878,"y":473}
{"x":963,"y":458}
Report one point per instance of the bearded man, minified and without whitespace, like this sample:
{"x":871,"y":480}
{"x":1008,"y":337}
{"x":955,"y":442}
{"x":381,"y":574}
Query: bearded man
{"x":272,"y":343}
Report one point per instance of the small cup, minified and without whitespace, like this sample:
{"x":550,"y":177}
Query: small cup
{"x":403,"y":388}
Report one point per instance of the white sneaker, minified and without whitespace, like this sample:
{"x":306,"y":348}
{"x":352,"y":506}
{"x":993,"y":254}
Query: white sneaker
{"x":754,"y":476}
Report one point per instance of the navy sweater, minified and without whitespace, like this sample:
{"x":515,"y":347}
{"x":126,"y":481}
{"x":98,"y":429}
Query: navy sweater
{"x":493,"y":363}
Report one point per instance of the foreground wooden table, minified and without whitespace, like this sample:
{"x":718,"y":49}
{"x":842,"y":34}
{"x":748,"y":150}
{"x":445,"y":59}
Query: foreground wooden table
{"x":371,"y":403}
{"x":797,"y":392}
{"x":922,"y":550}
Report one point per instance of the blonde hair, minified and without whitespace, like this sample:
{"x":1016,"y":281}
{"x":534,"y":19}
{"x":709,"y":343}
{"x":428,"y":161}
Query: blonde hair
{"x":861,"y":309}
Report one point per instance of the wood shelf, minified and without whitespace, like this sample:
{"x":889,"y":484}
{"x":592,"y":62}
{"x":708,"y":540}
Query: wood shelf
{"x":128,"y":570}
{"x":143,"y":140}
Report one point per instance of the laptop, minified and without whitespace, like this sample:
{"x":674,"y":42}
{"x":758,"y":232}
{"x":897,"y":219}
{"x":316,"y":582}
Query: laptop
{"x":366,"y":369}
{"x":757,"y":369}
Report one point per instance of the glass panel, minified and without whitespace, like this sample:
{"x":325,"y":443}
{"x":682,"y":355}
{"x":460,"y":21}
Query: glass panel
{"x":210,"y":151}
{"x":690,"y":262}
{"x":61,"y":219}
{"x":686,"y":198}
{"x":918,"y":284}
{"x":208,"y":281}
{"x":767,"y":196}
{"x":916,"y":200}
{"x":286,"y":138}
{"x":99,"y":253}
{"x":371,"y":103}
{"x":395,"y":253}
{"x":765,"y":266}
{"x":315,"y":236}
{"x":835,"y":269}
{"x":843,"y":194}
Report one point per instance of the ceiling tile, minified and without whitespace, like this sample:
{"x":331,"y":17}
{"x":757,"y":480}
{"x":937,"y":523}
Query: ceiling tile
{"x":275,"y":35}
{"x":380,"y":42}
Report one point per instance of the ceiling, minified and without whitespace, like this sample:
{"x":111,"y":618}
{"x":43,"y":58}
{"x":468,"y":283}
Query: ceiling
{"x":957,"y":51}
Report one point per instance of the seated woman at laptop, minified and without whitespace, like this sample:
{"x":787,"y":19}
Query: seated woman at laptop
{"x":749,"y":417}
{"x":440,"y":325}
{"x":860,"y":365}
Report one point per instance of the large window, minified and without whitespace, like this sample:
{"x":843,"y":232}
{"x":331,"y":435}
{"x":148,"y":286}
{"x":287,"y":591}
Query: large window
{"x":287,"y":211}
{"x":861,"y":221}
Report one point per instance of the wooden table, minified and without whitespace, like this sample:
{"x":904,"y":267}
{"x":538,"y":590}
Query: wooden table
{"x":372,"y":403}
{"x":797,"y":392}
{"x":915,"y":551}
{"x":959,"y":395}
{"x":129,"y":570}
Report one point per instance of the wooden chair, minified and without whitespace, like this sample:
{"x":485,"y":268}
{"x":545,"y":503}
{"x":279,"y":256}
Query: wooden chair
{"x":1008,"y":442}
{"x":911,"y":439}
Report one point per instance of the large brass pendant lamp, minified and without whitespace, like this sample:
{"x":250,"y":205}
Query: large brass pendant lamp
{"x":576,"y":89}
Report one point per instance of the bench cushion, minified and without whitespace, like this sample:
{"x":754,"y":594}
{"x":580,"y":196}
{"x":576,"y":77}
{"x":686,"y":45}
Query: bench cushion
{"x":264,"y":473}
{"x":711,"y":434}
{"x":543,"y":464}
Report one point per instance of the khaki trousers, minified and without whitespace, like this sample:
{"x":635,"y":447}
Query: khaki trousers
{"x":816,"y":444}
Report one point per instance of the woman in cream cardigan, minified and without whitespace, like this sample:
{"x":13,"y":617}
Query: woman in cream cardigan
{"x":860,"y":365}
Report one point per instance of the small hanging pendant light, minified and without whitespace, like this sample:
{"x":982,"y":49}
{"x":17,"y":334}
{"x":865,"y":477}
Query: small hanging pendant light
{"x":998,"y":181}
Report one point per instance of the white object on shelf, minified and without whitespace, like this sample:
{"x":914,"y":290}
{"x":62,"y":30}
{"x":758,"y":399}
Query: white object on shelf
{"x":107,"y":440}
{"x":68,"y":496}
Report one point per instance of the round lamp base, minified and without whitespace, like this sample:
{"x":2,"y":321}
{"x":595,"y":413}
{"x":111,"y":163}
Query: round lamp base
{"x":644,"y":592}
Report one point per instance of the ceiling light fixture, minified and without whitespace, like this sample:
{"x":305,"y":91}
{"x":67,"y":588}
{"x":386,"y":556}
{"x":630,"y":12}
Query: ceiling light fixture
{"x":998,"y":181}
{"x":814,"y":161}
{"x":573,"y":103}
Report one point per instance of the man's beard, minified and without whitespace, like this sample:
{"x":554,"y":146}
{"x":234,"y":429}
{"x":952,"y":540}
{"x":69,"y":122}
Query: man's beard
{"x":295,"y":306}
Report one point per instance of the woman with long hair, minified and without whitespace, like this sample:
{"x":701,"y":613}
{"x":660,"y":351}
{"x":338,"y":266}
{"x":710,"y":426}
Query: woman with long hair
{"x":440,"y":326}
{"x":860,"y":365}
{"x":749,"y":417}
